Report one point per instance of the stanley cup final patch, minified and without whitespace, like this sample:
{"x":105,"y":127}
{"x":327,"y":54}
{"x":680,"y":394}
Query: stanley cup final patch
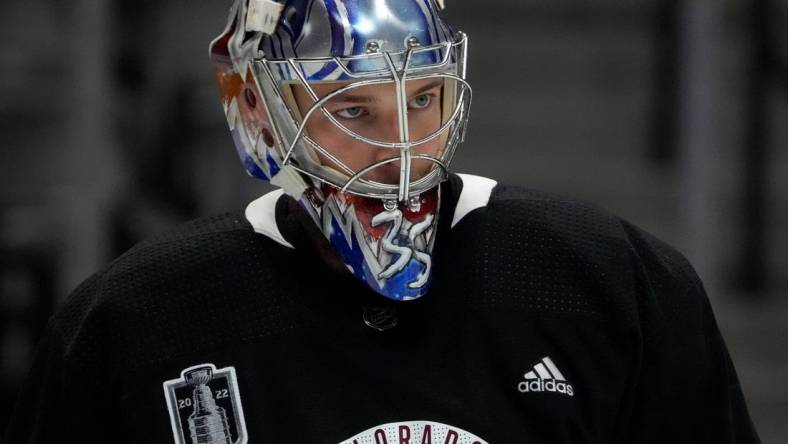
{"x":205,"y":406}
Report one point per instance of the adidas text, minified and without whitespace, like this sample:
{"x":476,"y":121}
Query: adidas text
{"x":540,"y":385}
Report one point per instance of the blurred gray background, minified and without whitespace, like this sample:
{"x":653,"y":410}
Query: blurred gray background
{"x":672,"y":114}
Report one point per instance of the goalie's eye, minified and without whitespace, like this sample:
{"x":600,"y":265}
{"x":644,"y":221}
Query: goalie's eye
{"x":421,"y":101}
{"x":351,"y":113}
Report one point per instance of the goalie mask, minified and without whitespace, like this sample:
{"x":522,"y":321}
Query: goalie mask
{"x":354,"y":108}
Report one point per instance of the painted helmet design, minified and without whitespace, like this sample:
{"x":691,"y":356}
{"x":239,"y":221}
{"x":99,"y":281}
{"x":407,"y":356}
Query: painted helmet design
{"x":355,"y":108}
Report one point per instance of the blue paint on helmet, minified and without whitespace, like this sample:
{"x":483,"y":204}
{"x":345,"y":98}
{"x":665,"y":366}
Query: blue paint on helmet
{"x":397,"y":287}
{"x":337,"y":30}
{"x":350,"y":252}
{"x":248,"y":160}
{"x":273,"y":166}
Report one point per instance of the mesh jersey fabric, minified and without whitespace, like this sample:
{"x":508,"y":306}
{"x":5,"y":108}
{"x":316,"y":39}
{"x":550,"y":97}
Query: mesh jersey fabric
{"x":529,"y":276}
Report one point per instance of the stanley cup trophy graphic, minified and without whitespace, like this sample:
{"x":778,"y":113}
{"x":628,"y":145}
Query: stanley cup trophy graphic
{"x":208,"y":422}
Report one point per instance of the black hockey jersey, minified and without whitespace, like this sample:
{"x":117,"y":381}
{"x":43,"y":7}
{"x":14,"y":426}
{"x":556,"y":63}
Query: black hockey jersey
{"x":549,"y":321}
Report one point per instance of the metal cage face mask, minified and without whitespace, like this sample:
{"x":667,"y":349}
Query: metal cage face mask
{"x":427,"y":100}
{"x":355,"y":108}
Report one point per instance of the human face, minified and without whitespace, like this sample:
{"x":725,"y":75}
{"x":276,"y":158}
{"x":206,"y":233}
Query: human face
{"x":371,"y":111}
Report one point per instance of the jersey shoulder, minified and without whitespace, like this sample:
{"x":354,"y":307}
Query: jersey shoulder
{"x":575,"y":254}
{"x":166,"y":294}
{"x":591,"y":228}
{"x":570,"y":221}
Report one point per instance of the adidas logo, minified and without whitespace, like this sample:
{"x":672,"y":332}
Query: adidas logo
{"x":545,"y":377}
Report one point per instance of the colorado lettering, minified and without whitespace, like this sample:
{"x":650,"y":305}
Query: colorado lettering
{"x":415,"y":432}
